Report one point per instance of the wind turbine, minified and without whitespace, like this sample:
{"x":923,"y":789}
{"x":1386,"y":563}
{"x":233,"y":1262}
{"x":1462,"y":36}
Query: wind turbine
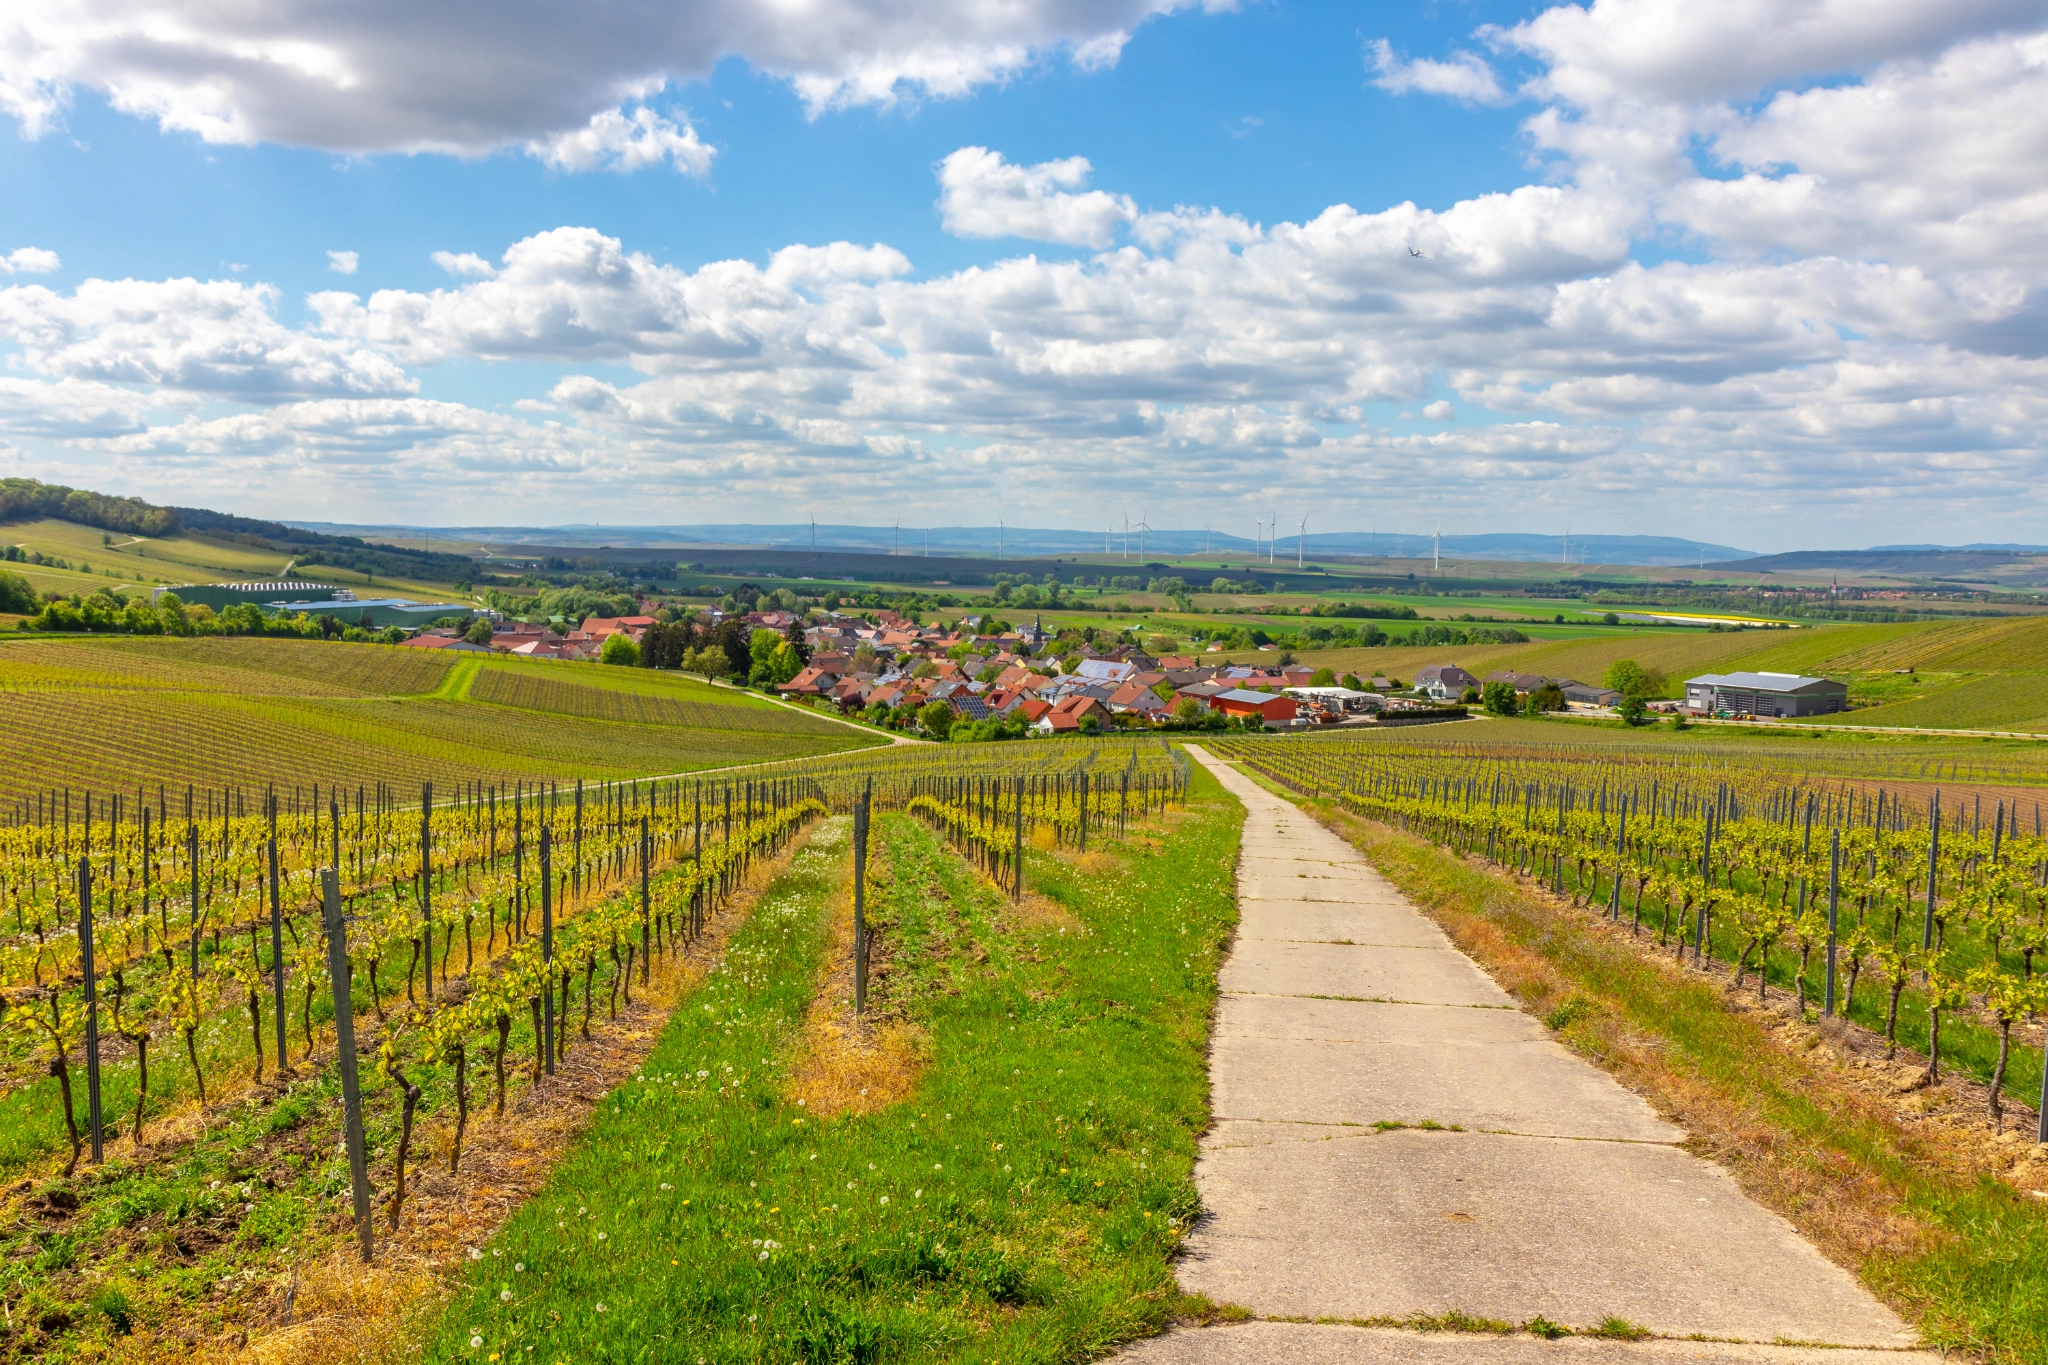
{"x":814,"y":535}
{"x":999,"y":539}
{"x":1436,"y":552}
{"x":1142,"y":529}
{"x":1567,"y":556}
{"x":1271,"y":538}
{"x":1301,"y":544}
{"x":899,"y":539}
{"x":1258,"y":538}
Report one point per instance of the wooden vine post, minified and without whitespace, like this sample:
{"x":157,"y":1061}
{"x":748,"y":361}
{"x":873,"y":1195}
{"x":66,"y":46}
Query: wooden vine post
{"x":860,"y":890}
{"x":345,"y":1056}
{"x":92,"y":1009}
{"x":1017,"y":881}
{"x":276,"y":943}
{"x":426,"y":883}
{"x":1834,"y":907}
{"x":547,"y":950}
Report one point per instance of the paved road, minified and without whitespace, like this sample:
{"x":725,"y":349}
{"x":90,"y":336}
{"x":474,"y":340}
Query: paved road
{"x":1549,"y":1189}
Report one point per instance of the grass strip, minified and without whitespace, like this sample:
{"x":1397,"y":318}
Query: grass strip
{"x":1928,"y":1227}
{"x":1024,"y":1203}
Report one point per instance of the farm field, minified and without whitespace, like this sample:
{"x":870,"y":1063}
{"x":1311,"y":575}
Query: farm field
{"x":142,"y":562}
{"x":218,"y":711}
{"x":996,"y":1165}
{"x":149,"y":1251}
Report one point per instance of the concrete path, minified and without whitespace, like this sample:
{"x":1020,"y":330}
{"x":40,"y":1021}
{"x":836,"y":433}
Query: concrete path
{"x":1521,"y":1180}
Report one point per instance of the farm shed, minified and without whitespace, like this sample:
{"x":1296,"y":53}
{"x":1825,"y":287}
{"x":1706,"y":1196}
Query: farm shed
{"x":1765,"y":694}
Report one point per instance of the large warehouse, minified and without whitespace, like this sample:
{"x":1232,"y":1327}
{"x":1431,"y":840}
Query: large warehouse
{"x":1765,"y":694}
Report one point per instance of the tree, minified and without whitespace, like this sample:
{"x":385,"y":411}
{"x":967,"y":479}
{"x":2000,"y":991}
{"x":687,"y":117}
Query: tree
{"x":936,"y":718}
{"x":1499,"y":698}
{"x":732,"y":638}
{"x":770,"y":659}
{"x":16,"y":595}
{"x":800,"y":647}
{"x":619,"y":649}
{"x":1549,"y":697}
{"x":1610,"y":619}
{"x":1323,"y":677}
{"x":1160,"y":644}
{"x":1631,"y":679}
{"x":171,"y":611}
{"x":1634,"y":710}
{"x":479,"y":632}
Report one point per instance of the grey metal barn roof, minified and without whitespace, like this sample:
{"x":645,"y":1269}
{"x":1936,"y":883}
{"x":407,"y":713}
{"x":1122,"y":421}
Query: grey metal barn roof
{"x":1783,"y":683}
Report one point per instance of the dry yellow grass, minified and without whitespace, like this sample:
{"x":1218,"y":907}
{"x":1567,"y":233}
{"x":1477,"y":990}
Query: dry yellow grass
{"x":848,"y":1063}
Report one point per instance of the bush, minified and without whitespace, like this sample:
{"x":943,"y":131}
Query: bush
{"x":936,"y":718}
{"x":1499,"y":699}
{"x":1633,"y":710}
{"x":1549,"y":697}
{"x":619,"y":649}
{"x":15,"y":594}
{"x":1323,"y":677}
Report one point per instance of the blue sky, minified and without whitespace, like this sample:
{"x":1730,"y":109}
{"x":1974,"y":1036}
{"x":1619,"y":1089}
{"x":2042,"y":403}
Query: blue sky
{"x":1668,"y":283}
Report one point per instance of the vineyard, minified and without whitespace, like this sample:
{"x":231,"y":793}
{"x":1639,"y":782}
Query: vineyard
{"x":1920,"y":921}
{"x":164,"y":957}
{"x":121,"y":715}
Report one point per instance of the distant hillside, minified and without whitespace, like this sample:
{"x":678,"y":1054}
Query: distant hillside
{"x":1024,"y":541}
{"x":31,"y":500}
{"x":2005,"y":567}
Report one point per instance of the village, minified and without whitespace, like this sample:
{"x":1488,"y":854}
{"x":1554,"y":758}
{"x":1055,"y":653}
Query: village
{"x":1011,"y":681}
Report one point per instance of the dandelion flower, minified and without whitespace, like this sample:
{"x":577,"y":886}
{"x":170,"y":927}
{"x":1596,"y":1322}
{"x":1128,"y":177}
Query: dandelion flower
{"x":476,"y":1343}
{"x":600,"y":1308}
{"x":519,"y":1265}
{"x":504,"y":1296}
{"x":885,"y":1199}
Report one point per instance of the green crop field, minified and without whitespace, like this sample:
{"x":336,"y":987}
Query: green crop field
{"x":118,"y":714}
{"x":148,"y":561}
{"x":220,"y":664}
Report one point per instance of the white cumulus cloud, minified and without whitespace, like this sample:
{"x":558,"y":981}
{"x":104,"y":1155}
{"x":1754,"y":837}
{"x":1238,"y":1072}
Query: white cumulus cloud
{"x":343,"y":262}
{"x":982,"y":195}
{"x":466,"y":263}
{"x":1464,"y":77}
{"x":624,"y":141}
{"x":415,"y":75}
{"x":28,"y":260}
